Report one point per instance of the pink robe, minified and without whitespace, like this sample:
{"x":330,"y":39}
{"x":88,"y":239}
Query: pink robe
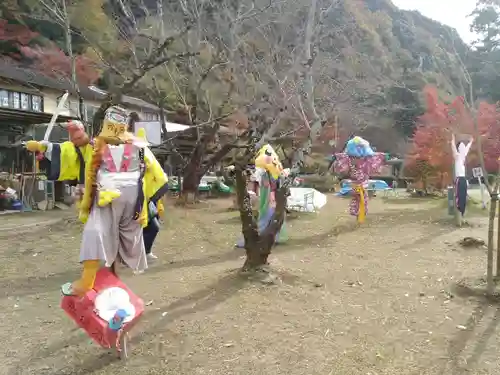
{"x":359,"y":171}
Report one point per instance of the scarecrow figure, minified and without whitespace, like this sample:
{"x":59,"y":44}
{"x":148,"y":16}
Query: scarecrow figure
{"x":358,"y":161}
{"x":269,"y":172}
{"x":119,"y":177}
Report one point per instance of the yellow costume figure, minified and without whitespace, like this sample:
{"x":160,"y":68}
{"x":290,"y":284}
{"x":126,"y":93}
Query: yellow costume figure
{"x":269,"y":171}
{"x":120,"y":177}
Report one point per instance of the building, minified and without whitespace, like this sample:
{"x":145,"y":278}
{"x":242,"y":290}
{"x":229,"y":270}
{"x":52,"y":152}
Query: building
{"x":27,"y":102}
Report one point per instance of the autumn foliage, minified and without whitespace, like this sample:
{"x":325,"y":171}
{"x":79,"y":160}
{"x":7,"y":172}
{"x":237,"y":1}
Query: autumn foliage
{"x":54,"y":63}
{"x":430,"y":158}
{"x":15,"y":33}
{"x":29,"y":49}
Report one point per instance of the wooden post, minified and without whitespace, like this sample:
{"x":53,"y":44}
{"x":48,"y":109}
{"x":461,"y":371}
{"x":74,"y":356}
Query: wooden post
{"x":490,"y":283}
{"x":498,"y":245}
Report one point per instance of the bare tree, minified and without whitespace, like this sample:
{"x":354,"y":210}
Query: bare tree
{"x":56,"y":11}
{"x":210,"y":87}
{"x":298,"y":94}
{"x":118,"y":40}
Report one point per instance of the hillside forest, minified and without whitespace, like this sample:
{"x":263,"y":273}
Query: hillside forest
{"x":352,"y":66}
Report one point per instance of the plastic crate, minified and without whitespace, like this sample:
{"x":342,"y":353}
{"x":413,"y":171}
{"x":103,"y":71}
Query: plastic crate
{"x":82,"y":311}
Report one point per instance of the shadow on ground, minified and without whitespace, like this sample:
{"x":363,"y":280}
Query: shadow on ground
{"x":457,"y":345}
{"x":33,"y":284}
{"x":198,"y":301}
{"x":289,"y":217}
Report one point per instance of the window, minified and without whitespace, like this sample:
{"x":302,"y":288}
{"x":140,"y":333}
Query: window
{"x":15,"y":100}
{"x":4,"y":98}
{"x":21,"y":100}
{"x":72,"y":106}
{"x":25,"y":102}
{"x":91,"y":111}
{"x":36,"y":103}
{"x":149,"y":116}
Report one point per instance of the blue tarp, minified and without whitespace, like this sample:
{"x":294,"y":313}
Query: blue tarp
{"x":346,"y":189}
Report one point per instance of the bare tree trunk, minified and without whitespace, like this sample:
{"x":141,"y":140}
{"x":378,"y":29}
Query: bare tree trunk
{"x":191,"y":174}
{"x":195,"y":168}
{"x":315,"y":124}
{"x":257,"y":246}
{"x":490,"y":283}
{"x":249,"y":226}
{"x":498,"y":245}
{"x":268,"y":236}
{"x":190,"y":182}
{"x":72,"y":58}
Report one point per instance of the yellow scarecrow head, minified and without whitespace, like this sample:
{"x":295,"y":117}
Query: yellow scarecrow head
{"x":268,"y":159}
{"x":114,"y":126}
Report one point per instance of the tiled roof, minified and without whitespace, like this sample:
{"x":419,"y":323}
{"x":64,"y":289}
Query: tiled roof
{"x":30,"y":77}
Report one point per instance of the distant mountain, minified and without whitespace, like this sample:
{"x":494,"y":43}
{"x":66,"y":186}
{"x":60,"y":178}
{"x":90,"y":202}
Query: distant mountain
{"x":385,"y":56}
{"x":403,"y":52}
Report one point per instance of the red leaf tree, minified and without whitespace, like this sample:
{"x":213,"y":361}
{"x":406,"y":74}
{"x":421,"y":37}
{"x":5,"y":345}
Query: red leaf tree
{"x":27,"y":47}
{"x":53,"y":62}
{"x":489,"y":127}
{"x":16,"y":33}
{"x":430,"y":158}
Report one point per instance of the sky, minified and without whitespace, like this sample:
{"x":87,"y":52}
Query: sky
{"x":449,"y":12}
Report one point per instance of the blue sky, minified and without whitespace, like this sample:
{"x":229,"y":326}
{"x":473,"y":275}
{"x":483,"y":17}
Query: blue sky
{"x":449,"y":12}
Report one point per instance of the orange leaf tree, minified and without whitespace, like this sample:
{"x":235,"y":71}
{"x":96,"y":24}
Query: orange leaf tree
{"x":489,"y":129}
{"x":430,"y":158}
{"x":430,"y":154}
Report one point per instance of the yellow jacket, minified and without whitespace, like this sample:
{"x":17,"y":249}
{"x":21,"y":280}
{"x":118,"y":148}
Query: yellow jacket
{"x":66,"y":165}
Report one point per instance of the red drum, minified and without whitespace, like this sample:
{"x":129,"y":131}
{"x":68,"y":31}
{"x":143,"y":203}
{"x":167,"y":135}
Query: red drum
{"x":83,"y":311}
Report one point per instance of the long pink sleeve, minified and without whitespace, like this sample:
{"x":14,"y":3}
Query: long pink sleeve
{"x":376,"y":162}
{"x":341,"y":163}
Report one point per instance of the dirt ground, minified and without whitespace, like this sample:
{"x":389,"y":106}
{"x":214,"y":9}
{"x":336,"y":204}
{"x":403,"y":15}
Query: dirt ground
{"x":380,"y":299}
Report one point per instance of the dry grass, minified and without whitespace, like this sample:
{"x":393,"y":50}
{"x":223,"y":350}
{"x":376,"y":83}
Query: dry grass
{"x":370,"y":300}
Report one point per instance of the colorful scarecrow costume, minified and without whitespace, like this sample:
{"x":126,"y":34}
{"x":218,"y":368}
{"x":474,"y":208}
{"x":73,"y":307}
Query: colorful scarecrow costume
{"x":460,"y":151}
{"x":359,"y":161}
{"x":119,"y":177}
{"x":269,"y":173}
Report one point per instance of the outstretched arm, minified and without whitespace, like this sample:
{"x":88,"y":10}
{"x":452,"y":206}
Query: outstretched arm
{"x":65,"y":162}
{"x":467,"y":148}
{"x":453,"y":145}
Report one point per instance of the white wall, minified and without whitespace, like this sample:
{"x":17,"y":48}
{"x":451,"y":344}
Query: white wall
{"x":50,"y":99}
